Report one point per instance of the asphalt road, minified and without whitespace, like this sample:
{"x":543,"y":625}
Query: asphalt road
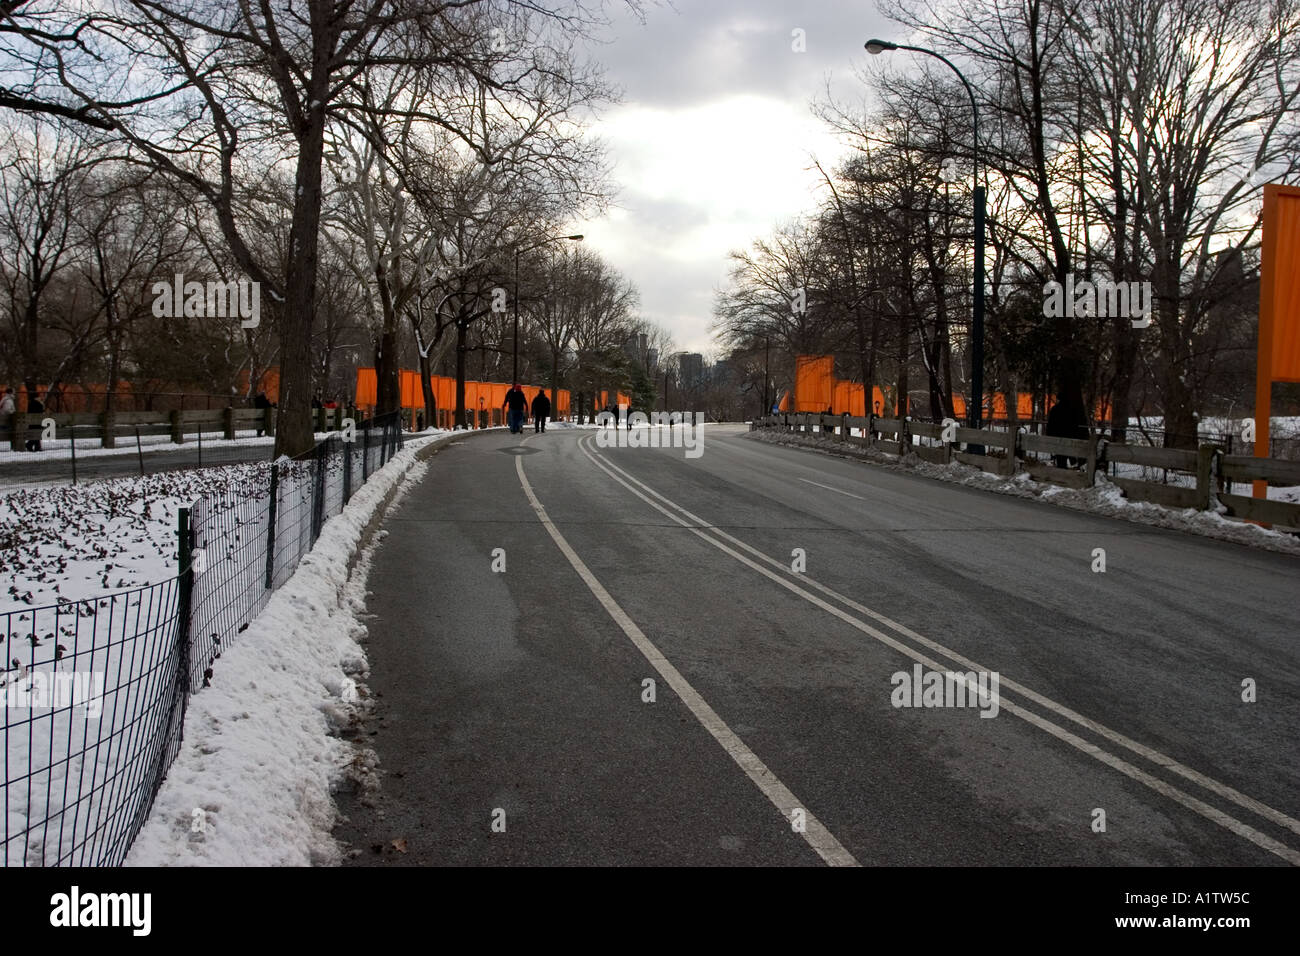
{"x":518,"y":698}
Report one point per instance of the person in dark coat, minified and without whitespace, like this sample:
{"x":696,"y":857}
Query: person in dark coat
{"x":1066,"y":422}
{"x":541,"y":410}
{"x":261,"y":403}
{"x":35,"y":407}
{"x":516,"y":406}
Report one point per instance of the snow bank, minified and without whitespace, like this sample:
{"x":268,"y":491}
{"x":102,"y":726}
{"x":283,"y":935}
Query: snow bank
{"x":252,"y":782}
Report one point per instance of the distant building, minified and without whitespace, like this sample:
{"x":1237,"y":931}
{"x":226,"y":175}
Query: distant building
{"x":637,"y":349}
{"x":691,"y":369}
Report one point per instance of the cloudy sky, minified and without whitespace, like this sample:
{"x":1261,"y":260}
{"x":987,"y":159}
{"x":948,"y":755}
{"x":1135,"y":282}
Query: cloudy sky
{"x":714,"y":137}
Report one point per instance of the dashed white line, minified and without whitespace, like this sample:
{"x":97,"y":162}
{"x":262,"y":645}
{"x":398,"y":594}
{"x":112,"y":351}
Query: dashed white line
{"x":1236,"y":826}
{"x":814,"y":832}
{"x":836,"y":490}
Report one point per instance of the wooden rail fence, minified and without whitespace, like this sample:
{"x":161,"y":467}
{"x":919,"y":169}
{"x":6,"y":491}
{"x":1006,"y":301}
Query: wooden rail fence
{"x":1209,"y":472}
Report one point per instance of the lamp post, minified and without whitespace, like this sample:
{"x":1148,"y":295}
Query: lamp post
{"x":514,"y":380}
{"x":975,"y":409}
{"x":767,"y":373}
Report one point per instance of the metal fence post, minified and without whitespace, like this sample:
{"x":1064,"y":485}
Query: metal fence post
{"x":270,"y":528}
{"x":185,"y":562}
{"x":320,"y":463}
{"x":347,"y":472}
{"x":365,"y":453}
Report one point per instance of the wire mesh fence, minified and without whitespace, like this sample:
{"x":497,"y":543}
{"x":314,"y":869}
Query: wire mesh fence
{"x":96,"y":690}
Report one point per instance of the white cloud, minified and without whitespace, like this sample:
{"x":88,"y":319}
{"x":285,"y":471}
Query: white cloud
{"x":698,"y":181}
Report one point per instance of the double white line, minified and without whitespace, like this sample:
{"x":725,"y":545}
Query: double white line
{"x":780,"y":574}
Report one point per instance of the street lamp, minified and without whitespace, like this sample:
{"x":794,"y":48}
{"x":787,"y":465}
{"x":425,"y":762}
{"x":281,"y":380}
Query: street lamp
{"x":975,"y":410}
{"x":537,"y":245}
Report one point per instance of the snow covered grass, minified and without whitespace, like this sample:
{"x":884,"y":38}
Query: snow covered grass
{"x":1104,"y":498}
{"x":68,"y":543}
{"x":72,"y":767}
{"x":252,"y":783}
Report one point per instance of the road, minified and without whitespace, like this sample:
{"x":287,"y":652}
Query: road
{"x":513,"y":721}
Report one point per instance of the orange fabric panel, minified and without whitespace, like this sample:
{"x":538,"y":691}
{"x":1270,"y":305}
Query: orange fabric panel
{"x":813,"y":383}
{"x":857,"y":399}
{"x":412,"y":395}
{"x":840,"y":392}
{"x":785,"y":402}
{"x":445,"y":392}
{"x":1284,"y":252}
{"x":367,"y":387}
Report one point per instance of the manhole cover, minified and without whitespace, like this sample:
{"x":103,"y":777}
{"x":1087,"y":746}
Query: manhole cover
{"x":519,"y":450}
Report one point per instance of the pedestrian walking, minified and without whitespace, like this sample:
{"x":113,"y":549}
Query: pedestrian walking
{"x":541,"y":410}
{"x":7,"y":405}
{"x":516,"y":407}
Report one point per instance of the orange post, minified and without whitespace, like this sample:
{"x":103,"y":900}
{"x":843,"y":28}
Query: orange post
{"x":1279,"y":308}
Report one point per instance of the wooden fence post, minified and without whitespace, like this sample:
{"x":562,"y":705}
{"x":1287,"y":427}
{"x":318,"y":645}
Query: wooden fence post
{"x":1205,"y":455}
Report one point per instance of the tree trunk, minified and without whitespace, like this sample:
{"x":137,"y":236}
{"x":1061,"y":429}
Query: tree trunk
{"x":426,"y":389}
{"x":293,"y":430}
{"x":462,"y":330}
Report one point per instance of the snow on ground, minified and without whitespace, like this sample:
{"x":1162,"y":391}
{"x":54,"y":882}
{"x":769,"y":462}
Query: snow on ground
{"x":1281,"y":426}
{"x":1104,"y":498}
{"x":69,"y":547}
{"x":261,"y":755}
{"x":67,"y":543}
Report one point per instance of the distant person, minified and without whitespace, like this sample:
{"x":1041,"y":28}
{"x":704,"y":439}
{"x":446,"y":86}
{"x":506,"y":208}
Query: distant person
{"x":541,"y":410}
{"x":1065,"y":422}
{"x":7,"y":404}
{"x":516,"y":406}
{"x":261,"y":403}
{"x":35,"y":407}
{"x":315,"y":401}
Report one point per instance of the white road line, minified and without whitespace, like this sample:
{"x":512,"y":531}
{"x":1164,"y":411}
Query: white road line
{"x":815,"y":833}
{"x":829,"y":488}
{"x":1162,"y":760}
{"x":1211,"y":813}
{"x":1223,"y":790}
